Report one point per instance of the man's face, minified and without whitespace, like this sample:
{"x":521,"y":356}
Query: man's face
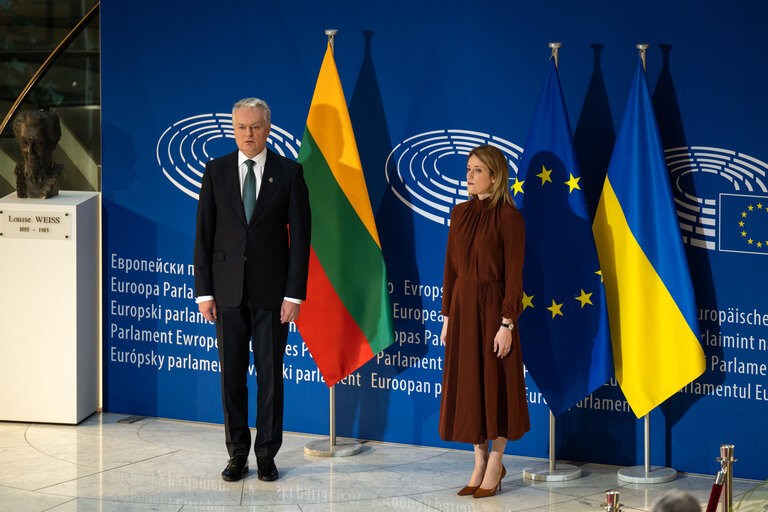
{"x":251,"y":130}
{"x":35,"y":148}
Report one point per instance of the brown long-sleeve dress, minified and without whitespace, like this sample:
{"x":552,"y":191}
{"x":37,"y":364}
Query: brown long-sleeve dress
{"x":483,"y":396}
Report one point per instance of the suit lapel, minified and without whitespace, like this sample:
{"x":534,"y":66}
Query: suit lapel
{"x":269,"y":181}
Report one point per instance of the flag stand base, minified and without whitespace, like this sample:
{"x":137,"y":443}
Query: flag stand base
{"x":638,"y":475}
{"x":647,"y":474}
{"x":323,"y":448}
{"x":542,"y":473}
{"x":332,"y":447}
{"x":552,"y":471}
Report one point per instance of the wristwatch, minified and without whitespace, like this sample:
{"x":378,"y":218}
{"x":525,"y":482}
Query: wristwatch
{"x":509,"y":326}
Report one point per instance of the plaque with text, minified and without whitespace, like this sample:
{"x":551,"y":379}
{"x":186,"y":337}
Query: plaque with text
{"x":35,"y":224}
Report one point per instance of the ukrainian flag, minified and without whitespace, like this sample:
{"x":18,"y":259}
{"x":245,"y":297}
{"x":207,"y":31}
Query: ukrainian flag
{"x":651,"y":304}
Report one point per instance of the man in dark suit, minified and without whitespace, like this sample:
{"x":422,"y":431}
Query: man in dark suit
{"x":251,"y":260}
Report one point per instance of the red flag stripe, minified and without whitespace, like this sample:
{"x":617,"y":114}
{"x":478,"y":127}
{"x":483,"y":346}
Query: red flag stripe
{"x":331,"y":334}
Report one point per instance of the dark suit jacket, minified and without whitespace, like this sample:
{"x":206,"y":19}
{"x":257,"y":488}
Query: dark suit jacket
{"x":227,"y":249}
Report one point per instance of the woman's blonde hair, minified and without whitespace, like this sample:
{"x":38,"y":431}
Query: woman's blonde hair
{"x":496,"y":162}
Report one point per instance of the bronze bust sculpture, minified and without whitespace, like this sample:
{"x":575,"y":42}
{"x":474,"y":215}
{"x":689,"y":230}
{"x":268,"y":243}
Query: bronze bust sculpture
{"x":37,"y":133}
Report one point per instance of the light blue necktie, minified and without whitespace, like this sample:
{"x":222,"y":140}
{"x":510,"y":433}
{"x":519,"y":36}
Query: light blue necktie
{"x":249,"y":191}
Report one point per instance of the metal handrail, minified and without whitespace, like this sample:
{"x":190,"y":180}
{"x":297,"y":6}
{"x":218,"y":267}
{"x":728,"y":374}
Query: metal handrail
{"x":49,"y":62}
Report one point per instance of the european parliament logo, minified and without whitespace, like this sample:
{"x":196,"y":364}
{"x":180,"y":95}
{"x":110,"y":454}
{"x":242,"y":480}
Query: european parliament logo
{"x":427,"y":172}
{"x":707,"y":183}
{"x":187,"y":145}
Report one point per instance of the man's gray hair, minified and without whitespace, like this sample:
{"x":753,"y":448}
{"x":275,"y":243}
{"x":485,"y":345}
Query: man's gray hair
{"x":253,"y":103}
{"x":676,"y":500}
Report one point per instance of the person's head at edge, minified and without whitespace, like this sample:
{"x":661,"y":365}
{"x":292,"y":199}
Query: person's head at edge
{"x":488,"y":175}
{"x":251,"y":120}
{"x":676,"y":500}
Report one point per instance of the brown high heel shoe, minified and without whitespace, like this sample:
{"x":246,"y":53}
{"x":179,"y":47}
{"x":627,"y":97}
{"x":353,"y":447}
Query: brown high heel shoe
{"x":484,"y":493}
{"x":468,"y":489}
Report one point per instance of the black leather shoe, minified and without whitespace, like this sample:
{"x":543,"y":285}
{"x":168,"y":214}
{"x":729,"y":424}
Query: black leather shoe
{"x":267,"y":469}
{"x":236,"y":468}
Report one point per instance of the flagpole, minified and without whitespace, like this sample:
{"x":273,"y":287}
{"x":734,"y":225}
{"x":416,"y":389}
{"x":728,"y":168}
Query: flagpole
{"x":541,"y":472}
{"x":555,"y":49}
{"x":346,"y":447}
{"x":641,"y":50}
{"x":331,"y":33}
{"x":646,"y":474}
{"x":552,"y":458}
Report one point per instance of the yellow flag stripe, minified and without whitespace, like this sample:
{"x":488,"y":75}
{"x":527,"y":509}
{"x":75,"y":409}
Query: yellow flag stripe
{"x":654,"y":350}
{"x":331,"y":128}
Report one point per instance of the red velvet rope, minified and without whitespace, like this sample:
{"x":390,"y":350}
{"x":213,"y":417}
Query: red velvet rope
{"x":714,"y":497}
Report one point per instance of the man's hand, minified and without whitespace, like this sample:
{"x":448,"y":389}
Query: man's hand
{"x":289,"y":312}
{"x":208,"y":309}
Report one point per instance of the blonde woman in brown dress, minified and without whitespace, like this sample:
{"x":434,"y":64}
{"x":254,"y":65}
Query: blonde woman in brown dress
{"x":483,"y":399}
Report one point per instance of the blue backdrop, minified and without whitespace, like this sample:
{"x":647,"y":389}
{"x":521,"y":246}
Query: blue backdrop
{"x":425,"y":81}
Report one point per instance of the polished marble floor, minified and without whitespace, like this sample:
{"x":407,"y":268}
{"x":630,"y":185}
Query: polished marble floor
{"x":171,"y":466}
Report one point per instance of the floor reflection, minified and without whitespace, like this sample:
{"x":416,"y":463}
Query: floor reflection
{"x":163,"y":465}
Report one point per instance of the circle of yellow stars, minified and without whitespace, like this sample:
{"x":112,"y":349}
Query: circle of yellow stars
{"x":742,"y":224}
{"x":584,"y":298}
{"x":573,"y":182}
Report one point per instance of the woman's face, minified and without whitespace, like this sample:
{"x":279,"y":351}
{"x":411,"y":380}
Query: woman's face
{"x":479,"y":179}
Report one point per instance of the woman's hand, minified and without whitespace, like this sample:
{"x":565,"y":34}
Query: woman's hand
{"x":444,"y":332}
{"x":502,"y":342}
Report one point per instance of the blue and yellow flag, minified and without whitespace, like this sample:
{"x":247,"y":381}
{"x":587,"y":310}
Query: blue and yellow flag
{"x":564,"y":327}
{"x":651,"y":304}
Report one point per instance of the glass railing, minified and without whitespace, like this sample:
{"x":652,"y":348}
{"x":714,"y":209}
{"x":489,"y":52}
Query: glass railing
{"x":70,"y":86}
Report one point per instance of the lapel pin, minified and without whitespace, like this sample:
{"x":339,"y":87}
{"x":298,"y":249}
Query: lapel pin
{"x":271,"y":180}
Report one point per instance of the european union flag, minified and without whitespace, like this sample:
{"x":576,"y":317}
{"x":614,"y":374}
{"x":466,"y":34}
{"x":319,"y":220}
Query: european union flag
{"x":564,"y":327}
{"x":743,"y":223}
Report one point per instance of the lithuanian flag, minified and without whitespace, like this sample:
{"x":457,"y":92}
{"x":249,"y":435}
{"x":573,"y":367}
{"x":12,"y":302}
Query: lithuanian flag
{"x":346,"y":319}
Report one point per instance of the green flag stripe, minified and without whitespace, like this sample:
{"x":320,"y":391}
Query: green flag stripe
{"x":350,"y":257}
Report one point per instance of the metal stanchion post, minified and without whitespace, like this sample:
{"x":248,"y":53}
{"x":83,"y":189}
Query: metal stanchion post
{"x":612,"y":501}
{"x":726,"y":465}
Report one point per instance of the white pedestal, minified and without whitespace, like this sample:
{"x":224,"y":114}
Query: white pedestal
{"x":49,"y":308}
{"x":561,"y":473}
{"x":638,"y":475}
{"x":342,"y":448}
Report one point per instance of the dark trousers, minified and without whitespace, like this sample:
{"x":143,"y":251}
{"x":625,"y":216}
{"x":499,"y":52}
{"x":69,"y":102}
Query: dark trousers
{"x":235,"y":328}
